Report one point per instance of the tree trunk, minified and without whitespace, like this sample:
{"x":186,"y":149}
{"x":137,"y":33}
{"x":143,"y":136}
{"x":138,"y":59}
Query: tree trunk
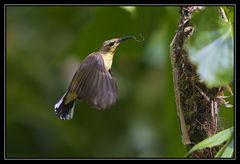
{"x":197,"y":105}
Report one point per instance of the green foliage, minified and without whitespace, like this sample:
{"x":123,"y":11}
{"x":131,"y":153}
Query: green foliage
{"x":212,"y":50}
{"x":229,"y":10}
{"x":44,"y":47}
{"x":217,"y":139}
{"x":227,"y":150}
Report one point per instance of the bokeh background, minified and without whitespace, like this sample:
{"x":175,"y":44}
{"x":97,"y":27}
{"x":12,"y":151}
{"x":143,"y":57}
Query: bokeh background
{"x":46,"y":44}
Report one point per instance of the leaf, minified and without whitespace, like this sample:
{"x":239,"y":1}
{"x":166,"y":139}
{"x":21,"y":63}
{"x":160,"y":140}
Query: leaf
{"x":220,"y":152}
{"x":214,"y":140}
{"x":229,"y":10}
{"x":215,"y":60}
{"x":131,"y":9}
{"x":228,"y":152}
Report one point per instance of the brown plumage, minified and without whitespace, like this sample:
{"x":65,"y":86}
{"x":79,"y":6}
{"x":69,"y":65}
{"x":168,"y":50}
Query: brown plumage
{"x":92,"y":82}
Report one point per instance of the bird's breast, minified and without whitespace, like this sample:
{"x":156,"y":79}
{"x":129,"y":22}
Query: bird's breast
{"x":108,"y":58}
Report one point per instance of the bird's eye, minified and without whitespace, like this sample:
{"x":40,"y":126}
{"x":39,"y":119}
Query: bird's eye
{"x":111,"y":44}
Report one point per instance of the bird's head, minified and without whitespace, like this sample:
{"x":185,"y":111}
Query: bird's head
{"x":111,"y":45}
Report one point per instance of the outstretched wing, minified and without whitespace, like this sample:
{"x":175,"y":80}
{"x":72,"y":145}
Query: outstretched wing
{"x":93,"y":83}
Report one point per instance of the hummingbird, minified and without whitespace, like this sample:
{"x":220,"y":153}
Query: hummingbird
{"x":92,"y":82}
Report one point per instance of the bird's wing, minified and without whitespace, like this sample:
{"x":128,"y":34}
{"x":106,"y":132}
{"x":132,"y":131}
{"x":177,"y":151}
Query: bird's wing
{"x":93,"y":83}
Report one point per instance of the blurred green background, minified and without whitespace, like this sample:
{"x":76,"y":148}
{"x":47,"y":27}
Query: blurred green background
{"x":45,"y":45}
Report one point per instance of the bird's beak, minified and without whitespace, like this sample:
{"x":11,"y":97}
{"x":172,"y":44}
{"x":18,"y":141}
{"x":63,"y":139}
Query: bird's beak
{"x":126,"y":38}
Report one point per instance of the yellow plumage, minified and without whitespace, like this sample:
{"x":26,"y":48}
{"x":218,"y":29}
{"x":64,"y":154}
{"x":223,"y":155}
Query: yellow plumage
{"x":108,"y":58}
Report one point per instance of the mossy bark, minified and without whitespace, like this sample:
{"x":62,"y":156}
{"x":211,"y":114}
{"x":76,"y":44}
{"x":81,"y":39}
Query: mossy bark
{"x":197,"y":105}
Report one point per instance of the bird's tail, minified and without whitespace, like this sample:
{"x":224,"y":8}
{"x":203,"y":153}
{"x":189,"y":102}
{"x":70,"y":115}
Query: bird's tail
{"x":64,"y":111}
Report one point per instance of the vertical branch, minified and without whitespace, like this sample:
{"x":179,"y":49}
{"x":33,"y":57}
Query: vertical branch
{"x":185,"y":136}
{"x":197,"y":105}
